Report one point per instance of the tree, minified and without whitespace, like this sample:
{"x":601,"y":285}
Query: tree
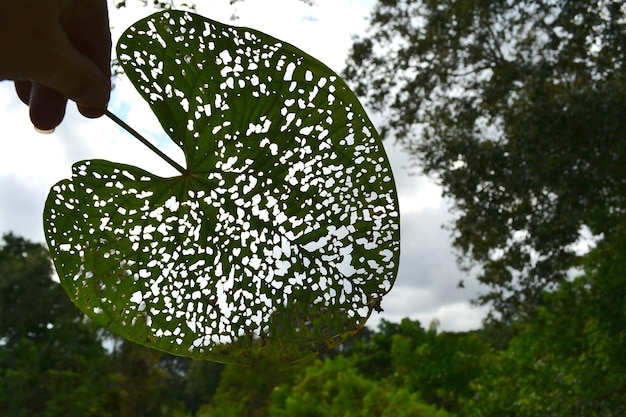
{"x":52,"y":362}
{"x":372,"y":357}
{"x":247,"y":391}
{"x":202,"y":380}
{"x":143,"y":384}
{"x":439,"y":365}
{"x":30,"y":302}
{"x":516,"y":107}
{"x":334,"y":388}
{"x":570,"y":359}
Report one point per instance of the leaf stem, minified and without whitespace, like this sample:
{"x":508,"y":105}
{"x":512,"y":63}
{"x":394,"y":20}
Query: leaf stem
{"x":145,"y":141}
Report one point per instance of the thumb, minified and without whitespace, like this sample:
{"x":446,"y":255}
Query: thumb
{"x":81,"y":55}
{"x":80,"y":80}
{"x":77,"y":77}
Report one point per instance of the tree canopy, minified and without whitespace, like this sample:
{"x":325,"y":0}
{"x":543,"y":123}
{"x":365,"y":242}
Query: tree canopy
{"x":516,"y":107}
{"x":570,"y":360}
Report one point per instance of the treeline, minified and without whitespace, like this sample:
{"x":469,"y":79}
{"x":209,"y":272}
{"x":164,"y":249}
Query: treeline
{"x":568,"y":360}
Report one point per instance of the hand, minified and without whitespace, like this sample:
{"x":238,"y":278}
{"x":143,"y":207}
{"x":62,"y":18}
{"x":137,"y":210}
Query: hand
{"x":56,"y":50}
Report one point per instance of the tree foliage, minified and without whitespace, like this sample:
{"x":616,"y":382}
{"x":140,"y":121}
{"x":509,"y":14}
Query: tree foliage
{"x":568,"y":361}
{"x":517,"y":108}
{"x":53,"y":361}
{"x":25,"y":287}
{"x":440,"y":366}
{"x":247,"y":392}
{"x":336,"y":389}
{"x":45,"y":346}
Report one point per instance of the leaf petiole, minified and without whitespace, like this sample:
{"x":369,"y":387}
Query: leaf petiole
{"x":145,"y":141}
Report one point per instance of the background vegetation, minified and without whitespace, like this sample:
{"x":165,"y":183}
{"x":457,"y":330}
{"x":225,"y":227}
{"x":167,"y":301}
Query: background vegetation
{"x":569,"y":360}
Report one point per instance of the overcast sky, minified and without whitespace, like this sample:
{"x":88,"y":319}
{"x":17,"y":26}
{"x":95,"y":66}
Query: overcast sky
{"x":30,"y":163}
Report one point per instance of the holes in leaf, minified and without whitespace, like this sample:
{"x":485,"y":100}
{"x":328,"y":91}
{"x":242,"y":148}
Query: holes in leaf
{"x":280,"y":235}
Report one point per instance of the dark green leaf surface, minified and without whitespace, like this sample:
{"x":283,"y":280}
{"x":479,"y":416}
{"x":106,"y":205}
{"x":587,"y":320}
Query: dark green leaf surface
{"x":278,"y":240}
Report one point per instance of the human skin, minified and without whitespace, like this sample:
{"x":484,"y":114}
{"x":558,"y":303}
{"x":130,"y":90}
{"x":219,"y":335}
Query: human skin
{"x":56,"y":50}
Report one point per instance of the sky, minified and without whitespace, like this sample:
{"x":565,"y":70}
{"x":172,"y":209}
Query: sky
{"x":30,"y":163}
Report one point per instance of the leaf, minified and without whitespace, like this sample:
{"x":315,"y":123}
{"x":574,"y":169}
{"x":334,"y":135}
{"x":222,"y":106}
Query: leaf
{"x":283,"y":229}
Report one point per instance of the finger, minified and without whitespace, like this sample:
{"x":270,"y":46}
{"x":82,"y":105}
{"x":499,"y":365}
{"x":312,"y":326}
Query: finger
{"x":47,"y":107}
{"x":22,"y":88}
{"x":76,"y":77}
{"x":68,"y":70}
{"x":89,"y":33}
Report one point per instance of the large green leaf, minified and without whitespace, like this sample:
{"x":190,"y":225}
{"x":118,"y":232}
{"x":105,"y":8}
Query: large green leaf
{"x":280,"y":238}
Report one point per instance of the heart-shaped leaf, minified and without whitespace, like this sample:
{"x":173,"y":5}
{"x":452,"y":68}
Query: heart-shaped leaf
{"x":281,"y":237}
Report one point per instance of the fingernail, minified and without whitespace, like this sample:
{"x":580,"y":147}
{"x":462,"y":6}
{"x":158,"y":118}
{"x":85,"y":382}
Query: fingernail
{"x":44,"y":131}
